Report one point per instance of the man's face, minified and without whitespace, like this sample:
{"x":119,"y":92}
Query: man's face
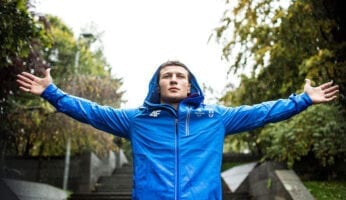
{"x":173,"y":84}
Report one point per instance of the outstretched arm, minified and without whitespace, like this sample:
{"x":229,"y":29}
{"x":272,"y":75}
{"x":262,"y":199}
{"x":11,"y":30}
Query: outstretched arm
{"x":105,"y":118}
{"x":323,"y":93}
{"x":244,"y":118}
{"x":34,"y":84}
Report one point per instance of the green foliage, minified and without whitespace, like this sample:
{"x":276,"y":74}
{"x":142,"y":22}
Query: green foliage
{"x":228,"y":165}
{"x":29,"y":126}
{"x":23,"y":40}
{"x":52,"y":133}
{"x":320,"y":129}
{"x":280,"y":46}
{"x":327,"y":190}
{"x":285,"y":45}
{"x":105,"y":90}
{"x":18,"y":30}
{"x":63,"y":54}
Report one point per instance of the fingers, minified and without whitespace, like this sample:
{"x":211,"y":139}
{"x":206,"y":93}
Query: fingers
{"x":334,"y":88}
{"x":331,"y":92}
{"x":326,"y":85}
{"x":24,"y":86}
{"x":24,"y":78}
{"x":24,"y":89}
{"x":28,"y":75}
{"x":26,"y":81}
{"x":331,"y":98}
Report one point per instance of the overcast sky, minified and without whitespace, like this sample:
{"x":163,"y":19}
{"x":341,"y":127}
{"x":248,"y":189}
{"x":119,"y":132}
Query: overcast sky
{"x":140,"y":35}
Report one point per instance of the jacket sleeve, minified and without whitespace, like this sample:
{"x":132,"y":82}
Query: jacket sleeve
{"x":245,"y":118}
{"x":105,"y":118}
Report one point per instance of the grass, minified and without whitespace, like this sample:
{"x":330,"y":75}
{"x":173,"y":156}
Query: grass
{"x":228,"y":165}
{"x":327,"y":190}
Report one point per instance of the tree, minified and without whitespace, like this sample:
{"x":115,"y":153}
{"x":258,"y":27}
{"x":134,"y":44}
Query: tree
{"x":23,"y":40}
{"x":281,"y":46}
{"x":304,"y":40}
{"x":92,"y":80}
{"x":29,"y":125}
{"x":57,"y":127}
{"x":296,"y":138}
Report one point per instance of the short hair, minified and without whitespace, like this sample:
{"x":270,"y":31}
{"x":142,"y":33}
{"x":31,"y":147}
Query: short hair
{"x":174,"y":63}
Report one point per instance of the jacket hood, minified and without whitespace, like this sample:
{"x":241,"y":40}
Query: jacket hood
{"x":195,"y":98}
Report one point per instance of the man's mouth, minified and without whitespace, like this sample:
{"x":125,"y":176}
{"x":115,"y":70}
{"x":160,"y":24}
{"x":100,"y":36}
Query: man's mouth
{"x":173,"y":89}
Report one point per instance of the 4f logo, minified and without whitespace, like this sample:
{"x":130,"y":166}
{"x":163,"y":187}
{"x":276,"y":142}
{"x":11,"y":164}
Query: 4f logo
{"x":155,"y":113}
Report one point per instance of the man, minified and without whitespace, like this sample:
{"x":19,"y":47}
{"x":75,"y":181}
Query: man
{"x":176,"y":139}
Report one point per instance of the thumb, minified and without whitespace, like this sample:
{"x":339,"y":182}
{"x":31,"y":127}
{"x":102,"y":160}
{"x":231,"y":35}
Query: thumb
{"x":307,"y":85}
{"x":47,"y":72}
{"x":48,"y":77}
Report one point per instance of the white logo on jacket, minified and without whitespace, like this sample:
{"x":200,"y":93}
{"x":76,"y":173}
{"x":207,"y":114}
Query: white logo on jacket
{"x":155,"y":113}
{"x":211,"y":113}
{"x":200,"y":112}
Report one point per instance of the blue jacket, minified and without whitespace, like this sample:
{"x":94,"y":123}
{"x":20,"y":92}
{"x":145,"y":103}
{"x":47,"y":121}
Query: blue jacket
{"x":177,"y":154}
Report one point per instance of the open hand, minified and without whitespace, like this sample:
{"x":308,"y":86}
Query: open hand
{"x":34,"y":84}
{"x":323,"y":93}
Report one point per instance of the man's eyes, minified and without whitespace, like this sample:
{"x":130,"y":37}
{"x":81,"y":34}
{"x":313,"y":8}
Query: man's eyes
{"x":182,"y":76}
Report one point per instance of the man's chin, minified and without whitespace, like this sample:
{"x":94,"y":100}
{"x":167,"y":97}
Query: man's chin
{"x":172,"y":100}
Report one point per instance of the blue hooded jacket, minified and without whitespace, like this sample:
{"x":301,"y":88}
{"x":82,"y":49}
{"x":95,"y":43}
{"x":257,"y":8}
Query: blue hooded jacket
{"x":177,"y":154}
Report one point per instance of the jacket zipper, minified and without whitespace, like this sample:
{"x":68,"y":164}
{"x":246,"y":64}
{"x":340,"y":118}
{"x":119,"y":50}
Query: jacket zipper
{"x":176,"y":161}
{"x":187,"y":122}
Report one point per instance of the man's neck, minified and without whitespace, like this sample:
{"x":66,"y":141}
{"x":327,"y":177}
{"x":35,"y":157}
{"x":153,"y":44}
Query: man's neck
{"x":175,"y":105}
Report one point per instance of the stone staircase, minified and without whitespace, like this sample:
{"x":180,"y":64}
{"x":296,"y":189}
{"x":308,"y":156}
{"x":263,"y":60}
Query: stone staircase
{"x":118,"y":186}
{"x":120,"y":181}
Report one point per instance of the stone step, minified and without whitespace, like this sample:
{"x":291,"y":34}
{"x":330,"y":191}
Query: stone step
{"x":113,"y":188}
{"x":119,"y":181}
{"x":124,"y":170}
{"x":127,"y":196}
{"x":109,"y":189}
{"x":102,"y":196}
{"x":109,"y":180}
{"x":115,"y":182}
{"x":116,"y":176}
{"x":236,"y":196}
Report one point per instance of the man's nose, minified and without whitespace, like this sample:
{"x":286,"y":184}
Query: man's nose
{"x":173,"y":80}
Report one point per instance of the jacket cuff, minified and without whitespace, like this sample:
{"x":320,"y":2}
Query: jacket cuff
{"x":306,"y":98}
{"x":302,"y":101}
{"x":52,"y":94}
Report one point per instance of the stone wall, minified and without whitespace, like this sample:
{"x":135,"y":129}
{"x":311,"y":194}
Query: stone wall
{"x":84,"y":171}
{"x":263,"y":183}
{"x":268,"y":180}
{"x":11,"y":189}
